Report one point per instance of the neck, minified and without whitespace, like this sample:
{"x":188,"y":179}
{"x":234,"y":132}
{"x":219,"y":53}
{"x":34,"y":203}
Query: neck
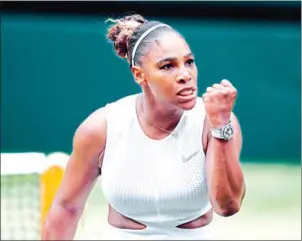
{"x":158,"y":114}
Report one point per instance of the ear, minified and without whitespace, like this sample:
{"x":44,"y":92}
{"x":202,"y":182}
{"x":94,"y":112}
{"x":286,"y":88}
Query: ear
{"x":138,"y":74}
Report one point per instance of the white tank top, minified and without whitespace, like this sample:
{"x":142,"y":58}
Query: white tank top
{"x":155,"y":182}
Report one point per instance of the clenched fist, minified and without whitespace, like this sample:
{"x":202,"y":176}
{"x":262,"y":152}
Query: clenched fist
{"x":218,"y":102}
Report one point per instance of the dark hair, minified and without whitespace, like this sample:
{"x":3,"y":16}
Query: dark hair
{"x":127,"y":30}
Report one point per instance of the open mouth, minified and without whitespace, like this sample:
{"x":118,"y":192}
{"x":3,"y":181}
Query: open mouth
{"x":186,"y":92}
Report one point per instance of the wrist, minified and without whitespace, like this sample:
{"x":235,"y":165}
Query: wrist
{"x":218,"y":123}
{"x":224,"y":132}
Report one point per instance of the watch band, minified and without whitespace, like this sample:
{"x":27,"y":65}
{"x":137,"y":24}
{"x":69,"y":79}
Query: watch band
{"x":225,"y":132}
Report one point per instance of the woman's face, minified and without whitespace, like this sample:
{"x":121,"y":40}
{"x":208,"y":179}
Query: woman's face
{"x":169,"y":71}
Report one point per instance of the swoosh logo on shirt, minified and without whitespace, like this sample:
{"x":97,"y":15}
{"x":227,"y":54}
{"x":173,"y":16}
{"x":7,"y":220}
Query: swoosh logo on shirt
{"x":189,"y":157}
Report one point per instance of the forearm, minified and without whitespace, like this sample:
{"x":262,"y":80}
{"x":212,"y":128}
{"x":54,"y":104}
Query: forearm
{"x":226,"y":181}
{"x":60,"y":224}
{"x":224,"y":174}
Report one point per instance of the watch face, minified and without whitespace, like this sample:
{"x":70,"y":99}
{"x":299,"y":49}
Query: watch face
{"x":227,"y":132}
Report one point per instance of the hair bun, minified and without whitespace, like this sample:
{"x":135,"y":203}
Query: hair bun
{"x":121,"y":31}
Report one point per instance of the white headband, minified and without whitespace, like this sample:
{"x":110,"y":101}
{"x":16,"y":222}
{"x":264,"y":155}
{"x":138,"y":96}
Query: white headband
{"x":143,"y":36}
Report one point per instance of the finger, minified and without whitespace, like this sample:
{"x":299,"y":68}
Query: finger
{"x":210,"y":89}
{"x":217,"y":86}
{"x":204,"y":97}
{"x":233,"y":92}
{"x":226,"y":83}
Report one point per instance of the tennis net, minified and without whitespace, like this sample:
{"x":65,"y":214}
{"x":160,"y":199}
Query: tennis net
{"x":28,"y":184}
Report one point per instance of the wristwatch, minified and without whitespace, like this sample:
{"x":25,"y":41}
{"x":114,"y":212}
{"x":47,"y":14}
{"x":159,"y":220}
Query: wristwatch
{"x":226,"y":132}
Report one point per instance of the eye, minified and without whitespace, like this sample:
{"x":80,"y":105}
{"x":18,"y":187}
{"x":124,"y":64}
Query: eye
{"x":190,"y":62}
{"x":167,"y":67}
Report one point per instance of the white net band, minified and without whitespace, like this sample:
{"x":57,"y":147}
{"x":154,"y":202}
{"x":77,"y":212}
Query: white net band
{"x":30,"y":162}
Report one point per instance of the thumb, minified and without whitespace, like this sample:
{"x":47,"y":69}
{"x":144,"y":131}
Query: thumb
{"x":226,"y":83}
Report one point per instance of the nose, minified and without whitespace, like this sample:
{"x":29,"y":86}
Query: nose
{"x":183,"y":77}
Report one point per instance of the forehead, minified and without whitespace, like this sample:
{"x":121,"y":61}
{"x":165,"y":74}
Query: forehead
{"x":169,"y":44}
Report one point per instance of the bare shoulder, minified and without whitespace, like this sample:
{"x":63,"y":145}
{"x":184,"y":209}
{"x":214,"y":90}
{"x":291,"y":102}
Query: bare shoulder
{"x":91,"y":133}
{"x":90,"y":136}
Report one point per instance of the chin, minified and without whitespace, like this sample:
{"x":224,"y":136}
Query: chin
{"x":188,"y":105}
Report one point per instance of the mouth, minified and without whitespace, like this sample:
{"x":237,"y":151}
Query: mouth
{"x":186,"y":92}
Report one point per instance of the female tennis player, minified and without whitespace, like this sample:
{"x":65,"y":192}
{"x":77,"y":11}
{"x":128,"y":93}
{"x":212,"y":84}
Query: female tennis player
{"x":168,"y":159}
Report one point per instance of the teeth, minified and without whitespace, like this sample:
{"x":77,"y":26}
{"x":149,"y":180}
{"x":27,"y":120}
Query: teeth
{"x":186,"y":92}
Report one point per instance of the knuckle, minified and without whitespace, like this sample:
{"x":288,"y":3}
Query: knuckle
{"x":223,"y":82}
{"x":222,"y":93}
{"x":209,"y":88}
{"x":233,"y":92}
{"x":208,"y":98}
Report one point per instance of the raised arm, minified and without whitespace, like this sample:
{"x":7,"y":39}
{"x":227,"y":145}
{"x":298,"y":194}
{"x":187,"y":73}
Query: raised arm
{"x":80,"y":175}
{"x":224,"y":174}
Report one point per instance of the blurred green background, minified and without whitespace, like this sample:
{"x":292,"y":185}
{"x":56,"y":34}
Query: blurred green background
{"x":57,"y":67}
